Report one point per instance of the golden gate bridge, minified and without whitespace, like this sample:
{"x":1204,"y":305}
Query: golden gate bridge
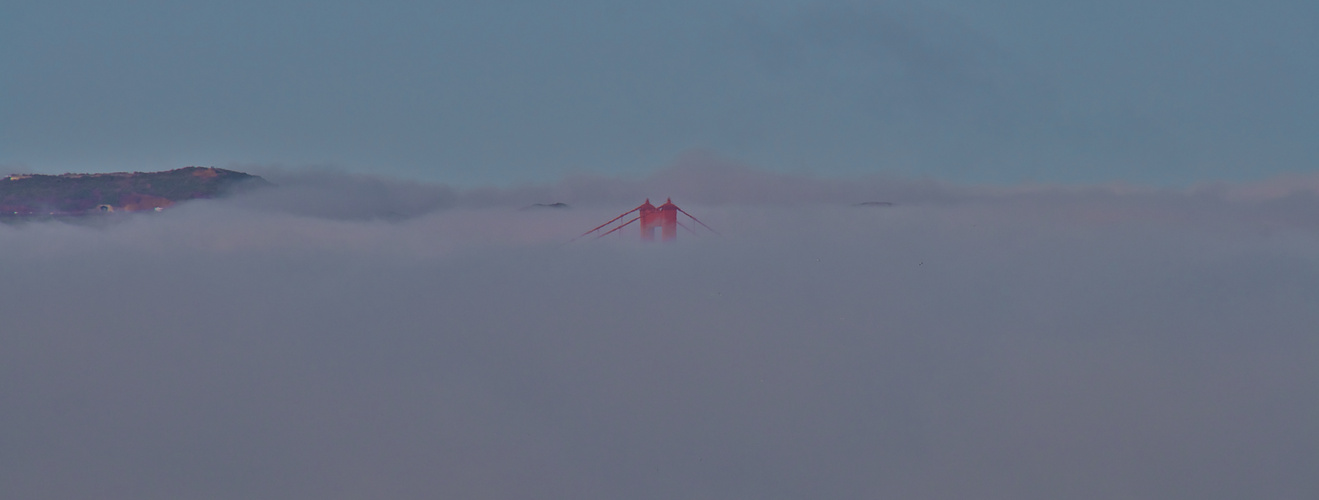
{"x":662,"y":220}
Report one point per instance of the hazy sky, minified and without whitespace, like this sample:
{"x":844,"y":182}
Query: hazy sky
{"x":1164,"y":93}
{"x":432,"y":342}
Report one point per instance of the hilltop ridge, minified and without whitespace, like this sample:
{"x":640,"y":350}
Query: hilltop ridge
{"x":80,"y":194}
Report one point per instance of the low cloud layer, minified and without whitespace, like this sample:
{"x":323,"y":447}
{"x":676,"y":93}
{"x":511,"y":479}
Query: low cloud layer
{"x":350,"y":337}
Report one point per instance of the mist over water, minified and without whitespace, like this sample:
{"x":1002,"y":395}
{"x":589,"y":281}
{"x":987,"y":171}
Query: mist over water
{"x":349,"y":337}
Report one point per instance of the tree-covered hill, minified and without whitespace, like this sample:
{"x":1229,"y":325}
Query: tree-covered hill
{"x":75,"y":194}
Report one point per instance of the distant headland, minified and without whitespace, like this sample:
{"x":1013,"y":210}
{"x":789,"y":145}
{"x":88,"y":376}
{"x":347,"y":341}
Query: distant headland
{"x":83,"y":194}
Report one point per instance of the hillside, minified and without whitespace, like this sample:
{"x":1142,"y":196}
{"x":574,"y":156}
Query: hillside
{"x":78,"y":194}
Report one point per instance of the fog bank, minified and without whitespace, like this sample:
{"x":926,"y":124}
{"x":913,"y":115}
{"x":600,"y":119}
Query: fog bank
{"x":348,"y":337}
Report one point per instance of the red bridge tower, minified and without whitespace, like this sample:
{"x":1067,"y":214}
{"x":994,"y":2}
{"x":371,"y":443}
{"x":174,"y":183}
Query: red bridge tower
{"x":662,"y":219}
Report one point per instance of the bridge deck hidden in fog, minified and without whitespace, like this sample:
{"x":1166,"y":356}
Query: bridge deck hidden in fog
{"x":662,"y":219}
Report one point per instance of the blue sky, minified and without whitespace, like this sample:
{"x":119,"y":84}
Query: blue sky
{"x":1162,"y":93}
